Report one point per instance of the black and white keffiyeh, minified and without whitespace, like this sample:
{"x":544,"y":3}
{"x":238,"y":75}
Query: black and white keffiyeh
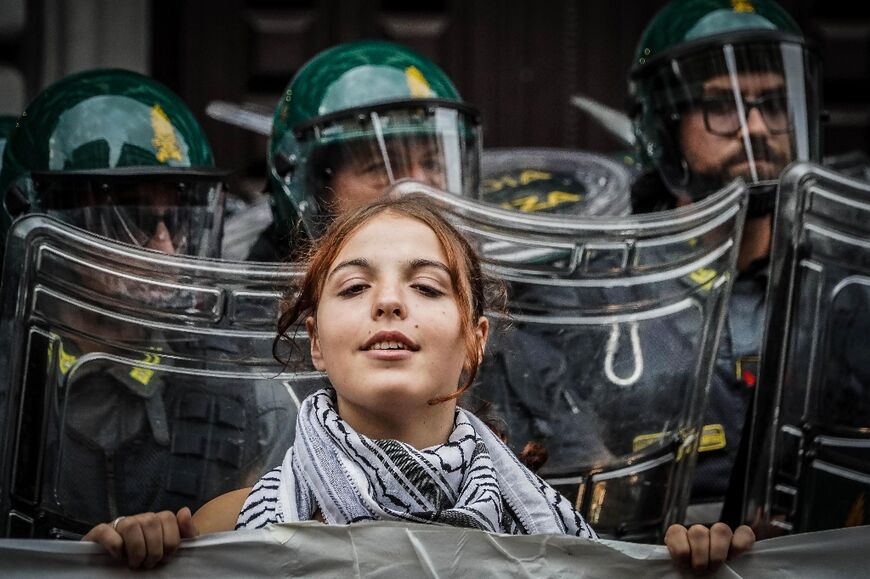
{"x":473,"y":481}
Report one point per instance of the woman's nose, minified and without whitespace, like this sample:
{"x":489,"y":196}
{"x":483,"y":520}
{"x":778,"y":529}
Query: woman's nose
{"x":388,"y":303}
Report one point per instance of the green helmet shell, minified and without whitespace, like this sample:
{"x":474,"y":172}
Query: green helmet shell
{"x":358,"y":74}
{"x":342,"y":78}
{"x":101,"y":120}
{"x":683,"y":21}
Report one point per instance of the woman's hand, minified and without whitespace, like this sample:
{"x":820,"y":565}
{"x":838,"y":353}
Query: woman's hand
{"x":704,"y":549}
{"x":146,"y":539}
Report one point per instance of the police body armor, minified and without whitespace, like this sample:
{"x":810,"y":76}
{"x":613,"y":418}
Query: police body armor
{"x":134,"y":381}
{"x":809,"y":460}
{"x":607,"y":350}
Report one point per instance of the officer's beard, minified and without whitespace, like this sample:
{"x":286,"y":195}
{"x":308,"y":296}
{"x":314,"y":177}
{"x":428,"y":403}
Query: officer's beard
{"x":763,"y":154}
{"x":762,"y":194}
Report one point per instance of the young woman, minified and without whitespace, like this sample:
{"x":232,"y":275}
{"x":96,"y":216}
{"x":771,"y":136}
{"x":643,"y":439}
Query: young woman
{"x":393,"y":301}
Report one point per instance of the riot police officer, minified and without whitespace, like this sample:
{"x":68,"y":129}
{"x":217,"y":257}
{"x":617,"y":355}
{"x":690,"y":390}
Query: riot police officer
{"x":722,"y":89}
{"x":118,"y":154}
{"x":356,"y":118}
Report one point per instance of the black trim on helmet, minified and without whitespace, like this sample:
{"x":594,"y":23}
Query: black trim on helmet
{"x":753,"y":36}
{"x":410,"y":103}
{"x":145,"y":174}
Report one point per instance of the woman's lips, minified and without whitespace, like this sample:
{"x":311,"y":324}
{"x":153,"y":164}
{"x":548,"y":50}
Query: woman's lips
{"x":390,"y":337}
{"x":388,"y":355}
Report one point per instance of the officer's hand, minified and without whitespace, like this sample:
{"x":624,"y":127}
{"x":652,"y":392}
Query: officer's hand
{"x":703,"y":549}
{"x":146,"y":539}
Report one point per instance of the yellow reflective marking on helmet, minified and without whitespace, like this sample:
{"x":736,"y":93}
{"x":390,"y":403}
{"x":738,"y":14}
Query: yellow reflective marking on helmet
{"x":65,"y":361}
{"x":712,"y":438}
{"x":742,"y":6}
{"x":144,"y":375}
{"x":164,"y":136}
{"x":703,"y":277}
{"x":417,"y":83}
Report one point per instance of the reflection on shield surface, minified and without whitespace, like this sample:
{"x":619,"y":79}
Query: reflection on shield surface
{"x":557,"y":181}
{"x":606,"y":352}
{"x":809,"y":465}
{"x":134,"y":381}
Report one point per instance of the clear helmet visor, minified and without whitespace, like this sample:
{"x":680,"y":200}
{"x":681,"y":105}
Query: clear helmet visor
{"x":174,"y":214}
{"x":349,"y":161}
{"x":733,"y":110}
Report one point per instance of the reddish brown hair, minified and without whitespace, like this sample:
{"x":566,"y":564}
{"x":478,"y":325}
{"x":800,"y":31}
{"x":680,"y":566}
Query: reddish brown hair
{"x":473,"y":289}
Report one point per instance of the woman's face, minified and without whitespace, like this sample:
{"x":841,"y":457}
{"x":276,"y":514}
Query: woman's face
{"x":387,"y":329}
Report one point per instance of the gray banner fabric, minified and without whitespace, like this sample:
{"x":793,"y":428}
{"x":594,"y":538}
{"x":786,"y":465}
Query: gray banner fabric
{"x":403,"y":550}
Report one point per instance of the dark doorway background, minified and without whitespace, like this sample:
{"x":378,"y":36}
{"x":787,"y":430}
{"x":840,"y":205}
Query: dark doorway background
{"x":519,"y":61}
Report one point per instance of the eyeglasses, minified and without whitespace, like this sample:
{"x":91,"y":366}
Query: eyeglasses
{"x":722,"y":115}
{"x":140,"y":223}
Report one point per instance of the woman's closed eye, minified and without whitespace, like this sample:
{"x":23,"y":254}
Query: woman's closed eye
{"x":353,"y":289}
{"x":428,"y":289}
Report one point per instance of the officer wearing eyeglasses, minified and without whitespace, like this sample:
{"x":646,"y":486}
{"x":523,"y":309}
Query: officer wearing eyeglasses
{"x":717,"y":135}
{"x":722,"y":89}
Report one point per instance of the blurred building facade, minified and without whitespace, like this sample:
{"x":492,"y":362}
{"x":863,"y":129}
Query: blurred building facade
{"x":519,"y":61}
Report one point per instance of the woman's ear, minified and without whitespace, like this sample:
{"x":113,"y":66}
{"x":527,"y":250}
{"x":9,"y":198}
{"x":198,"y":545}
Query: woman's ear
{"x":482,"y":333}
{"x":316,"y":354}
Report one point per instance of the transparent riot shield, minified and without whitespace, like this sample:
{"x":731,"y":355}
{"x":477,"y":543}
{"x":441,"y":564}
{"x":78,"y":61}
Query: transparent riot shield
{"x":855,"y":164}
{"x":134,"y":381}
{"x":559,"y":181}
{"x":809,"y":459}
{"x":606,"y":352}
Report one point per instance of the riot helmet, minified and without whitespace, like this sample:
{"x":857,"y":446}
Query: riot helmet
{"x":120,"y":155}
{"x":359,"y":117}
{"x":723,"y":89}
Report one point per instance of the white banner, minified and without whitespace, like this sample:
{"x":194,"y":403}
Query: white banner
{"x":402,"y":550}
